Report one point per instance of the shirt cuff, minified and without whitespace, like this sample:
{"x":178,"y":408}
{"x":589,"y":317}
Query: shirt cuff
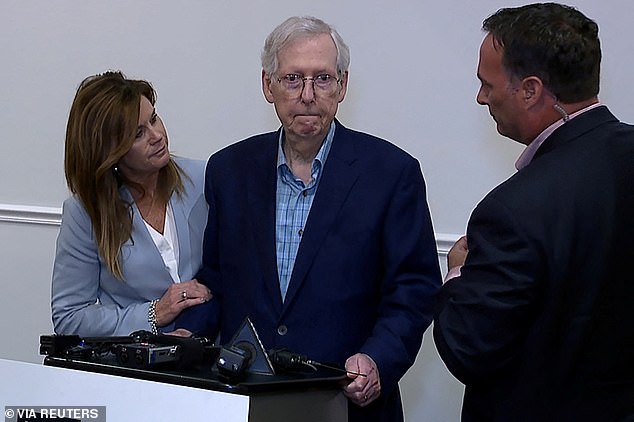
{"x":452,"y":273}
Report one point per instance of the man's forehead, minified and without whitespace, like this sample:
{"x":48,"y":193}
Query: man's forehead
{"x":312,"y":50}
{"x":491,"y":52}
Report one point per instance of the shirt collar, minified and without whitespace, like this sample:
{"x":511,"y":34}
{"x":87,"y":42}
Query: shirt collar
{"x":322,"y":154}
{"x":529,"y":152}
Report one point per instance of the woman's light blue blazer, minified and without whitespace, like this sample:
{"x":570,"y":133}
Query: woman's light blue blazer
{"x":87,"y":300}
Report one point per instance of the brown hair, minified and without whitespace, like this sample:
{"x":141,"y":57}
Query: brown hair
{"x":101,"y":128}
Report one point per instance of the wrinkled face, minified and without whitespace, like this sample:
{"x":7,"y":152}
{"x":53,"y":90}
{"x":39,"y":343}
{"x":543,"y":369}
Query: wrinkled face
{"x":498,"y":92}
{"x":149,"y":152}
{"x":307,"y":115}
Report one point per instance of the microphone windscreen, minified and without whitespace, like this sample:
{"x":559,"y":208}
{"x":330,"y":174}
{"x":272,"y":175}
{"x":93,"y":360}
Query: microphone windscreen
{"x":285,"y":360}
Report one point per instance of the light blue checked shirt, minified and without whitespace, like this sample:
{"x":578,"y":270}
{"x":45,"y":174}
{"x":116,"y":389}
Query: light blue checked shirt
{"x":293,"y":203}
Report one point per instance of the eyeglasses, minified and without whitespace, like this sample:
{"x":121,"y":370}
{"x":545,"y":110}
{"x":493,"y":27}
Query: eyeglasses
{"x":294,"y":84}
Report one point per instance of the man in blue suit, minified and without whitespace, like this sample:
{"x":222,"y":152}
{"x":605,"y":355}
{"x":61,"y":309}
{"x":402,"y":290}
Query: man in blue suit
{"x":321,"y":234}
{"x":538,"y":322}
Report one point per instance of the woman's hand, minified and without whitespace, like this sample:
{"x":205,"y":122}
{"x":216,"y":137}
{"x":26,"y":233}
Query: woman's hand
{"x":180,"y":332}
{"x":178,"y":297}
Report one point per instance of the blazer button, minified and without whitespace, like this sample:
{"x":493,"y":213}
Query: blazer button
{"x":282,"y":330}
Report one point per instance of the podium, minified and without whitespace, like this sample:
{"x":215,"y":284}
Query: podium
{"x":152,"y":395}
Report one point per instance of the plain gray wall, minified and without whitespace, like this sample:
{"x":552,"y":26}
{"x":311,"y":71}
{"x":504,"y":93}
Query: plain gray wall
{"x":412,"y":81}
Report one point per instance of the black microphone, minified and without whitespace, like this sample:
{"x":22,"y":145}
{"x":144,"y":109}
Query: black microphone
{"x":192,"y":350}
{"x":284,"y":360}
{"x":232,"y":362}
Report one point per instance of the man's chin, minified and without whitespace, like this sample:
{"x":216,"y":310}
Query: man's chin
{"x":511,"y":136}
{"x":307,"y":128}
{"x":307,"y":120}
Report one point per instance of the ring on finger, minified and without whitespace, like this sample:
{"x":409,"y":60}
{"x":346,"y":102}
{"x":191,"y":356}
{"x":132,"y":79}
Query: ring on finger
{"x":184,"y":295}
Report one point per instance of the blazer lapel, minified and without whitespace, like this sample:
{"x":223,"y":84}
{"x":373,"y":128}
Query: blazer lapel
{"x":184,"y":240}
{"x":141,"y":237}
{"x":261,"y":197}
{"x":339,"y":175}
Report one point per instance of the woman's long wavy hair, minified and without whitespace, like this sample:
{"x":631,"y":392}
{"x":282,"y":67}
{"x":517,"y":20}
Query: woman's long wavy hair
{"x":102,"y":125}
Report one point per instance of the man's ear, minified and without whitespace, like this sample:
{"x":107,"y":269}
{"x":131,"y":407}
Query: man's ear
{"x":266,"y":87}
{"x":343,"y":87}
{"x":532,"y":89}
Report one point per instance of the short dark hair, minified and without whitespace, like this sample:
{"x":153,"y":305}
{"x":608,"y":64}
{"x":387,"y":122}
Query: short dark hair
{"x":554,"y":42}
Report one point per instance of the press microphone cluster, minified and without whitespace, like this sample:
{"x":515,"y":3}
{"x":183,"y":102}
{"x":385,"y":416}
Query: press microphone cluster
{"x":246,"y":354}
{"x":141,"y":349}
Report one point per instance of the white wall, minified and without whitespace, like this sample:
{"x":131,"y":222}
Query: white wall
{"x":412,"y":81}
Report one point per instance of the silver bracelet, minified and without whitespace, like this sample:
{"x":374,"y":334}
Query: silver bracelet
{"x":151,"y":316}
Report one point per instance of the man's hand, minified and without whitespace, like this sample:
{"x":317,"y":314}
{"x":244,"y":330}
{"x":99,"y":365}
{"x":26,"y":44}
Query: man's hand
{"x":458,"y":253}
{"x":362,"y":390}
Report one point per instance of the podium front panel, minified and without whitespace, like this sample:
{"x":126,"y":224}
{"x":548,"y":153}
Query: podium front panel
{"x":306,"y":406}
{"x":32,"y":385}
{"x":125,"y":399}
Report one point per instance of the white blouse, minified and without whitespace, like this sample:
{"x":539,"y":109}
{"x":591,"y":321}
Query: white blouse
{"x":167,"y":243}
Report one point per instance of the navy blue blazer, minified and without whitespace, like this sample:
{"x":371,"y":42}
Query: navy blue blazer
{"x":540,"y":326}
{"x":366,"y":271}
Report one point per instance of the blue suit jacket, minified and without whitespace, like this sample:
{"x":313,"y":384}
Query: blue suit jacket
{"x":366,"y":271}
{"x":539,"y":326}
{"x":88,"y":300}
